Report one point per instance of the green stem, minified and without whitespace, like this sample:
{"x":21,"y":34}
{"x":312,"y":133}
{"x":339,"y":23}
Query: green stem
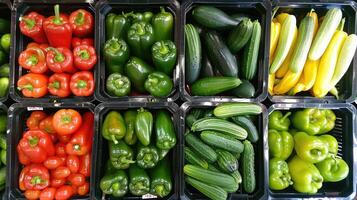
{"x":162,"y":9}
{"x":57,"y":20}
{"x":27,"y":87}
{"x":30,"y":23}
{"x":81,"y":84}
{"x":114,"y":139}
{"x":79,"y":18}
{"x":84,"y":54}
{"x":59,"y":57}
{"x":33,"y":141}
{"x":77,"y":147}
{"x":164,"y":49}
{"x":55,"y":85}
{"x":32,"y":60}
{"x":285,"y":116}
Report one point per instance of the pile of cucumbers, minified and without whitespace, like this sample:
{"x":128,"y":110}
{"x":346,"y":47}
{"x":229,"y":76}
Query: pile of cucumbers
{"x":212,"y":46}
{"x":219,"y":148}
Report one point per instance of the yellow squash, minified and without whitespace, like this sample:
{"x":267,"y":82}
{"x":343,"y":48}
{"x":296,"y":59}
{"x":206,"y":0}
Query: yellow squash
{"x":308,"y":77}
{"x":289,"y":81}
{"x":275,"y":31}
{"x":271,"y":81}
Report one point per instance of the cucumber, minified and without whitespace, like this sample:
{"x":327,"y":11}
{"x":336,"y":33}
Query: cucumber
{"x":249,"y":126}
{"x":193,"y":54}
{"x":207,"y":69}
{"x":193,"y":116}
{"x":211,"y":86}
{"x":251,"y":52}
{"x":249,"y":182}
{"x":212,"y":167}
{"x":205,"y":151}
{"x":194,"y":159}
{"x":237,"y":177}
{"x":223,"y":141}
{"x":212,"y":192}
{"x":219,"y":54}
{"x":240,"y":35}
{"x":226,"y":161}
{"x":213,"y":18}
{"x":244,"y":90}
{"x":225,"y":110}
{"x":240,"y":16}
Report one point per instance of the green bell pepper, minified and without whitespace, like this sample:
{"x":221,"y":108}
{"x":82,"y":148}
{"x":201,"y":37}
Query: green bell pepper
{"x":330,"y":121}
{"x":165,"y":130}
{"x":143,"y":126}
{"x":114,"y":182}
{"x":121,"y":155}
{"x":5,"y":70}
{"x":333,"y":169}
{"x":3,"y":57}
{"x":161,"y":182}
{"x":3,"y":142}
{"x":309,"y":120}
{"x":118,"y":85}
{"x":163,"y":153}
{"x":113,"y":127}
{"x":117,"y":25}
{"x":3,"y":156}
{"x":163,"y":24}
{"x":138,"y":71}
{"x":3,"y":124}
{"x":164,"y":55}
{"x":4,"y":86}
{"x":279,"y":177}
{"x":129,"y":118}
{"x":306,"y":177}
{"x":159,"y":84}
{"x":278,"y":121}
{"x":147,"y":156}
{"x":331,"y":142}
{"x":116,"y":53}
{"x":6,"y":42}
{"x":139,"y":181}
{"x":143,"y":17}
{"x":281,"y":144}
{"x":310,"y":148}
{"x":140,"y":39}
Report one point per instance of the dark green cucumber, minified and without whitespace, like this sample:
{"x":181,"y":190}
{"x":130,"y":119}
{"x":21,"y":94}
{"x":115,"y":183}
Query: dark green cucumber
{"x":212,"y":192}
{"x":249,"y":126}
{"x":213,"y":18}
{"x":251,"y":52}
{"x":244,"y":90}
{"x":223,"y":141}
{"x":240,"y":16}
{"x":207,"y":69}
{"x":193,"y":116}
{"x":240,"y":35}
{"x":214,"y":85}
{"x":226,"y":161}
{"x":194,"y":159}
{"x":205,"y":151}
{"x":247,"y":160}
{"x":193,"y":54}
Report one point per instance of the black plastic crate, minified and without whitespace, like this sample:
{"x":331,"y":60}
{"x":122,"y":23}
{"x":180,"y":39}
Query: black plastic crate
{"x":345,"y":133}
{"x":101,"y":155}
{"x":5,"y":10}
{"x":189,"y":193}
{"x":347,"y":86}
{"x":258,"y":9}
{"x":18,"y":113}
{"x":104,"y":7}
{"x":20,"y":41}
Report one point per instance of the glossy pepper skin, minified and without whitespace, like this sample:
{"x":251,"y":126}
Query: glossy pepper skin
{"x":82,"y":83}
{"x":138,"y":71}
{"x":309,"y":120}
{"x":114,"y":182}
{"x":34,"y":119}
{"x":147,"y":156}
{"x":31,"y":26}
{"x":33,"y":85}
{"x":116,"y":54}
{"x":117,"y":26}
{"x":143,"y":126}
{"x":118,"y":85}
{"x":306,"y":177}
{"x":85,"y":57}
{"x":79,"y":41}
{"x":331,"y":143}
{"x":140,"y":39}
{"x":82,"y":23}
{"x":278,"y":121}
{"x":139,"y":181}
{"x":279,"y":177}
{"x":310,"y":148}
{"x":130,"y":118}
{"x":60,"y":60}
{"x":330,"y":121}
{"x":58,"y":85}
{"x":114,"y":128}
{"x":281,"y":144}
{"x":121,"y":155}
{"x":34,"y":177}
{"x":58,"y":29}
{"x":143,"y":17}
{"x":158,"y":84}
{"x":165,"y":130}
{"x":163,"y":23}
{"x":67,"y":121}
{"x":333,"y":169}
{"x":42,"y":46}
{"x":161,"y":182}
{"x":164,"y":56}
{"x":33,"y":59}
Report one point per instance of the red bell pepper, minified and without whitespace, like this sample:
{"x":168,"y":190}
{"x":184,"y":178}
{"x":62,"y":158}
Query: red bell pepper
{"x":78,"y":41}
{"x":81,"y":142}
{"x":47,"y":127}
{"x":64,"y":138}
{"x":42,"y":46}
{"x":31,"y":26}
{"x":36,"y":145}
{"x":33,"y":59}
{"x":35,"y":119}
{"x":82,"y":83}
{"x":33,"y":85}
{"x":66,"y":121}
{"x":82,"y":23}
{"x":34,"y":177}
{"x":58,"y":29}
{"x":22,"y":157}
{"x":84,"y":164}
{"x":60,"y":60}
{"x":59,"y":85}
{"x":84,"y":57}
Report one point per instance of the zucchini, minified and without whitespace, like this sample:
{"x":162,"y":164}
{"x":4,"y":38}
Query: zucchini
{"x":193,"y":116}
{"x":213,"y":18}
{"x":226,"y":161}
{"x":207,"y":70}
{"x":195,"y":159}
{"x":219,"y":54}
{"x":220,"y":125}
{"x":303,"y":43}
{"x":193,"y":54}
{"x":208,"y":113}
{"x":249,"y":126}
{"x":240,"y":16}
{"x":244,"y":90}
{"x":205,"y":151}
{"x":324,"y":33}
{"x":240,"y":35}
{"x":237,"y":177}
{"x":211,"y":86}
{"x":212,"y":192}
{"x":222,"y":141}
{"x":251,"y":52}
{"x":249,"y":183}
{"x":233,"y":109}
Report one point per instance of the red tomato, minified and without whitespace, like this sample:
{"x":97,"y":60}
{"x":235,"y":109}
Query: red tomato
{"x":83,"y":189}
{"x":57,"y":182}
{"x":48,"y":194}
{"x":32,"y":194}
{"x":53,"y":162}
{"x":77,"y":179}
{"x":61,"y":149}
{"x":72,"y":163}
{"x":34,"y":120}
{"x":66,"y":121}
{"x":64,"y":138}
{"x":61,"y":172}
{"x":64,"y":192}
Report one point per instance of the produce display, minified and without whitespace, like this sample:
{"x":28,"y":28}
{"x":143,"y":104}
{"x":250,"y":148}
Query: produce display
{"x":138,"y":143}
{"x":55,"y":151}
{"x":140,"y":54}
{"x":313,"y":57}
{"x":60,"y":57}
{"x":3,"y":150}
{"x":316,"y":159}
{"x":5,"y":43}
{"x":220,"y":147}
{"x":212,"y":46}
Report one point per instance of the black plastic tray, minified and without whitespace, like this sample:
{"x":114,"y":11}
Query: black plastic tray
{"x":18,"y":113}
{"x":100,"y":155}
{"x":187,"y":192}
{"x":103,"y":7}
{"x":347,"y":87}
{"x":259,"y":9}
{"x":345,"y":133}
{"x":19,"y":42}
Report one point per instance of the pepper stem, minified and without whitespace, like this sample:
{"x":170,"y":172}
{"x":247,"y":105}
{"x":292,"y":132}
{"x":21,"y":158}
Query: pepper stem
{"x":285,"y":116}
{"x":114,"y":139}
{"x":33,"y":141}
{"x":66,"y":119}
{"x":57,"y":19}
{"x":81,"y":84}
{"x":55,"y":85}
{"x":341,"y":25}
{"x":32,"y":60}
{"x":140,"y":29}
{"x":30,"y":23}
{"x":36,"y":180}
{"x":27,"y":87}
{"x":159,"y":190}
{"x":162,"y":9}
{"x":59,"y":57}
{"x":84,"y":54}
{"x":79,"y":18}
{"x":76,"y":147}
{"x":163,"y":50}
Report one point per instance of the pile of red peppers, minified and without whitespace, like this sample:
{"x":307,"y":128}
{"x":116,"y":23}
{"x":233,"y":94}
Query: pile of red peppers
{"x":61,"y":58}
{"x":56,"y":153}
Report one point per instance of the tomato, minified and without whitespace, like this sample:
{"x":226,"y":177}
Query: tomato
{"x":46,"y":126}
{"x":72,"y":163}
{"x":53,"y":162}
{"x":83,"y":189}
{"x":64,"y":192}
{"x":77,"y":179}
{"x":74,"y":189}
{"x":64,"y":138}
{"x":66,"y":121}
{"x":48,"y":194}
{"x":34,"y":120}
{"x":61,"y":149}
{"x":32,"y":194}
{"x":61,"y":172}
{"x":57,"y":182}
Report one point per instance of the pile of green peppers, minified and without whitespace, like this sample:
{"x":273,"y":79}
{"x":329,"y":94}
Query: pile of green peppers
{"x":3,"y":144}
{"x":315,"y":159}
{"x":5,"y":43}
{"x":136,"y":163}
{"x":135,"y":42}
